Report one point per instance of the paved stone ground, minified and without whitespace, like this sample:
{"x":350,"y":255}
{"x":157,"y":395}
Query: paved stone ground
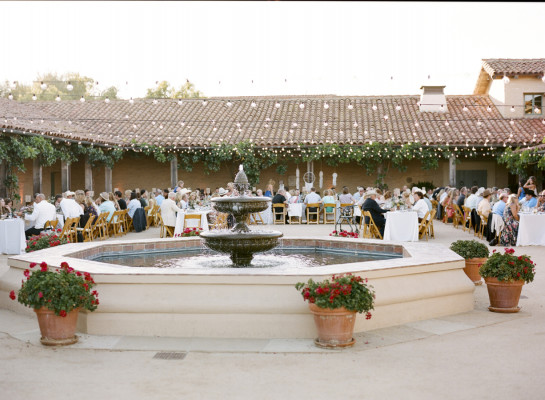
{"x":476,"y":355}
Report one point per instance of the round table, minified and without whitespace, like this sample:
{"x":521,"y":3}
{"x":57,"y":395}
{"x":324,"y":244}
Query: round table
{"x":401,"y":226}
{"x":12,"y":236}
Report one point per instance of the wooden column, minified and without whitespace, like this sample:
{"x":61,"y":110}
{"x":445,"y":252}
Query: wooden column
{"x":65,"y":176}
{"x":452,"y":171}
{"x":174,"y":172}
{"x":108,"y":179}
{"x":36,"y":176}
{"x":3,"y":172}
{"x":88,"y":174}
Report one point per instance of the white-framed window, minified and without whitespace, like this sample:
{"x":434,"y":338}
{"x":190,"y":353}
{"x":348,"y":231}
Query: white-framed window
{"x":533,"y":103}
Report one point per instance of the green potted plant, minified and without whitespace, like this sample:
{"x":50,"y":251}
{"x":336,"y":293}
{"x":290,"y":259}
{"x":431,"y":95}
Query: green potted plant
{"x":505,"y":274}
{"x":475,"y":254}
{"x":57,"y":296}
{"x":334,"y":304}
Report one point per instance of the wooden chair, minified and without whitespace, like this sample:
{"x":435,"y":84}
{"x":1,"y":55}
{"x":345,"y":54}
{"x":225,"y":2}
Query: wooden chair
{"x":484,"y":223}
{"x":192,"y":217}
{"x":155,"y":215}
{"x":87,"y":230}
{"x":434,"y":204}
{"x":313,"y":213}
{"x":365,"y":228}
{"x":466,"y":219}
{"x":333,"y":212}
{"x":165,"y":231}
{"x":51,"y":225}
{"x":430,"y":226}
{"x":423,"y":228}
{"x":149,"y":217}
{"x":116,"y":223}
{"x":100,"y":229}
{"x":373,"y":228}
{"x":72,"y":231}
{"x":458,"y":216}
{"x":66,"y":228}
{"x":256,"y":219}
{"x":281,"y":214}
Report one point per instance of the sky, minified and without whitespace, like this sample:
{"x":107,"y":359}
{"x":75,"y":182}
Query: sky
{"x":285,"y":48}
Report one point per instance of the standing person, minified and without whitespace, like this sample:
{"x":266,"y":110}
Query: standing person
{"x":269,"y":192}
{"x":120,"y":200}
{"x":370,"y":204}
{"x":43,"y":211}
{"x":509,"y":233}
{"x":180,"y":186}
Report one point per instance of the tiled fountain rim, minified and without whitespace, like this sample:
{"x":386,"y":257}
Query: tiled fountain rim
{"x":414,"y":254}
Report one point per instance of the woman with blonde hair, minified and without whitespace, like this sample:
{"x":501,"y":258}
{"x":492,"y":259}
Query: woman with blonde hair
{"x":510,"y":231}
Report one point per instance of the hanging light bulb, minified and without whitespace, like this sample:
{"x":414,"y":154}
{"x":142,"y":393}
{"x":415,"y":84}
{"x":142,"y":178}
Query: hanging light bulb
{"x":350,"y":106}
{"x":326,"y":106}
{"x":229,"y":104}
{"x":385,"y":117}
{"x":479,"y":123}
{"x":355,"y":124}
{"x":253,"y":105}
{"x":277,"y":105}
{"x":301,"y":105}
{"x":506,"y":79}
{"x":106,"y":100}
{"x":58,"y":98}
{"x":155,"y":101}
{"x":10,"y":96}
{"x":34,"y":97}
{"x":82,"y":99}
{"x":374,"y":107}
{"x":447,"y":123}
{"x":204,"y":102}
{"x":512,"y":108}
{"x":512,"y":122}
{"x":180,"y":102}
{"x":43,"y":85}
{"x":326,"y":123}
{"x":398,"y":108}
{"x":465,"y":109}
{"x":131,"y":101}
{"x":489,"y":109}
{"x":543,"y":122}
{"x":69,"y":87}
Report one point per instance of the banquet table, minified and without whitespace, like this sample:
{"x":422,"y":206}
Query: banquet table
{"x":296,"y":210}
{"x":60,"y":218}
{"x":531,"y":230}
{"x":12,"y":236}
{"x":180,"y":217}
{"x":267,"y":215}
{"x":401,"y":226}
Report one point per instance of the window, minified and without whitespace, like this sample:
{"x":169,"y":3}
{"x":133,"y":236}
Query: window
{"x":533,"y":103}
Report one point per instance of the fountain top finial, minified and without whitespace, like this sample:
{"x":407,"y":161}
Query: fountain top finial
{"x":241,"y":181}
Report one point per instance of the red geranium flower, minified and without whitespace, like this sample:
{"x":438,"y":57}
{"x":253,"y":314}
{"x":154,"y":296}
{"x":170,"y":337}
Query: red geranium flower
{"x":32,"y":265}
{"x":12,"y":295}
{"x":62,"y":313}
{"x":43,"y":266}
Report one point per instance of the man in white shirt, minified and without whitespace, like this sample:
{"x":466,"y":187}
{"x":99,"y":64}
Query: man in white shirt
{"x":312,"y":198}
{"x":69,"y":207}
{"x":473,"y":199}
{"x":359,"y":194}
{"x":169,"y":210}
{"x":43,"y":211}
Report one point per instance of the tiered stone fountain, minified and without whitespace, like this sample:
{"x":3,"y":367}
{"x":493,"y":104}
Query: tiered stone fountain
{"x":240,"y":242}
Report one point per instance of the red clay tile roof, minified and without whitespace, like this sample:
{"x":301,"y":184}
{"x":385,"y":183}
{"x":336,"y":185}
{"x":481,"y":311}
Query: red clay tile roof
{"x":514,"y":66}
{"x":197,"y":124}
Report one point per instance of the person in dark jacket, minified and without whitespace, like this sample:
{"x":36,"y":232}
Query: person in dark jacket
{"x":280,"y":198}
{"x":372,"y":206}
{"x":120,"y":200}
{"x":462,"y":197}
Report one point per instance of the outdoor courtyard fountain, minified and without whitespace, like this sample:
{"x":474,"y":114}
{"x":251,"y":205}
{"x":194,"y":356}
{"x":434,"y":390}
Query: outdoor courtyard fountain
{"x":240,"y":242}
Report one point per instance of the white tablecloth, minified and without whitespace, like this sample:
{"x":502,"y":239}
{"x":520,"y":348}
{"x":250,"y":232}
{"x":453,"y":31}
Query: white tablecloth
{"x":180,"y":217}
{"x":401,"y":226}
{"x":531,"y":230}
{"x":12,"y":236}
{"x":267,"y":215}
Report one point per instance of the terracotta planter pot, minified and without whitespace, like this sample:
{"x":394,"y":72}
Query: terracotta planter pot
{"x":335,"y":326}
{"x":504,"y":296}
{"x":472,"y":269}
{"x":55,"y":330}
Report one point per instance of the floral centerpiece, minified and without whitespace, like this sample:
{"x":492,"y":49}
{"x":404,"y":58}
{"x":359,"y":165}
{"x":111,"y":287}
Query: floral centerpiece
{"x":57,"y":296}
{"x":343,"y":233}
{"x":45,"y":240}
{"x":190,"y":232}
{"x":334,"y":304}
{"x":505,"y":274}
{"x":27,"y":209}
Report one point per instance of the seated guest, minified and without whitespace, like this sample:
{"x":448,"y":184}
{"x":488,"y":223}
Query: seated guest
{"x":472,"y":200}
{"x":120,"y":200}
{"x":328,"y":199}
{"x":295,"y":198}
{"x":484,"y":206}
{"x":133,"y":205}
{"x":346,"y":197}
{"x":106,"y":205}
{"x":259,"y":193}
{"x":541,"y":202}
{"x":370,"y":204}
{"x":159,"y":197}
{"x":497,"y":209}
{"x":359,"y":194}
{"x":312,"y":198}
{"x":68,"y":205}
{"x":6,"y":207}
{"x":462,"y":197}
{"x":420,"y":206}
{"x":144,"y":197}
{"x":169,"y":210}
{"x":43,"y":211}
{"x":90,"y":207}
{"x":279,"y":198}
{"x":509,"y":233}
{"x":530,"y":199}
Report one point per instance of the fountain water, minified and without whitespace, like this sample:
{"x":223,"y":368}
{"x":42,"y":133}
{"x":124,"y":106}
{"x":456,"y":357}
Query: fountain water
{"x":241,"y":242}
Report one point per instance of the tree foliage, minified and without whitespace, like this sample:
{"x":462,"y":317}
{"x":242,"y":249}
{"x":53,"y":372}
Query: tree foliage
{"x":165,"y":90}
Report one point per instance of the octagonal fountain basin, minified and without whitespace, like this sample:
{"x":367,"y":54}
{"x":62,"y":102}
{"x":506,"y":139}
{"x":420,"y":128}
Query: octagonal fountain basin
{"x":417,"y":281}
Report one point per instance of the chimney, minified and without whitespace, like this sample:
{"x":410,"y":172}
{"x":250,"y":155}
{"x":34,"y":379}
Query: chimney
{"x":433,"y":99}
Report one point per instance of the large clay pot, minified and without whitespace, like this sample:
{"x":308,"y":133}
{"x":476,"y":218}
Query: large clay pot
{"x":472,"y":269}
{"x":335,"y":326}
{"x":56,"y":330}
{"x":504,"y":296}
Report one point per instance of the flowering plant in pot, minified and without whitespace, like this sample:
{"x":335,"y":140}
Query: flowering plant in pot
{"x":45,"y":240}
{"x":505,"y":274}
{"x":474,"y":253}
{"x":334,"y":304}
{"x":57,"y":296}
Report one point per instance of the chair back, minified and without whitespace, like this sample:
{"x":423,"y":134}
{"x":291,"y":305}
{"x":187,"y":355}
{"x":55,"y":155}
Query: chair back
{"x":192,"y":217}
{"x":52,"y":224}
